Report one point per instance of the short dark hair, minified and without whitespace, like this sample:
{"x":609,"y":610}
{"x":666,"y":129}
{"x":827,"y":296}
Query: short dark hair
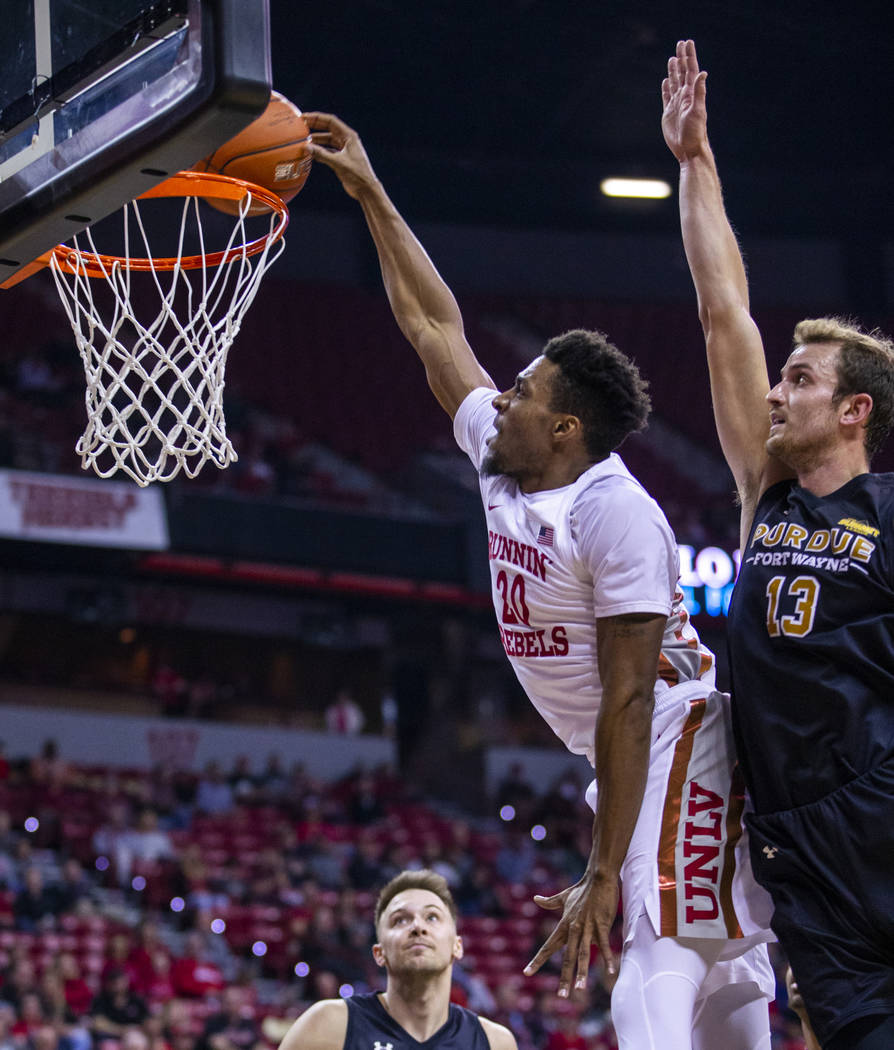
{"x":865,"y":366}
{"x":599,"y":385}
{"x":424,"y":879}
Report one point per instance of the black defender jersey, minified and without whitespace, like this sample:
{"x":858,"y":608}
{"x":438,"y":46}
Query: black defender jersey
{"x":811,"y":639}
{"x":371,"y":1027}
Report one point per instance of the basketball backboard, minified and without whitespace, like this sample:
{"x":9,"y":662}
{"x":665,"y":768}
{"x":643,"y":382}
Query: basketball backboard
{"x":100,"y":101}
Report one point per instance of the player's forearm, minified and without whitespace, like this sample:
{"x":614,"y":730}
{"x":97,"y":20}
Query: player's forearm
{"x":422,"y":304}
{"x":627,"y":653}
{"x":623,"y":736}
{"x":712,"y":251}
{"x":418,"y":295}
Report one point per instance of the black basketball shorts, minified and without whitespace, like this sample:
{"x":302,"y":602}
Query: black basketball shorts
{"x":829,"y":867}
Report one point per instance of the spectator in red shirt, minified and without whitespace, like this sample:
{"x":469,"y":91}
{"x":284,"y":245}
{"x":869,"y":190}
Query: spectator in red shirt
{"x":143,"y":957}
{"x":160,"y":988}
{"x":31,"y":1016}
{"x":77,"y":991}
{"x":169,"y":688}
{"x":194,"y":975}
{"x":566,"y":1036}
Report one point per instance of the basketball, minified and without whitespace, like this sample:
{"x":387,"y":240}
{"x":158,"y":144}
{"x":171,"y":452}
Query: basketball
{"x":271,"y":152}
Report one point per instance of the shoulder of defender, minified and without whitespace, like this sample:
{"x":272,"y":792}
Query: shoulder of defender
{"x":322,"y":1026}
{"x":752,"y":491}
{"x":498,"y":1036}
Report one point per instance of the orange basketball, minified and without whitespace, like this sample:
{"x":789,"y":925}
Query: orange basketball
{"x":271,"y":151}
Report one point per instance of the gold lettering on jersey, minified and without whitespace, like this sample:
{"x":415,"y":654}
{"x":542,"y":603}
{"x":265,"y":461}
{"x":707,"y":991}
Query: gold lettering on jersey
{"x":521,"y":555}
{"x":862,"y":549}
{"x":770,"y":536}
{"x":795,"y":536}
{"x":859,"y":526}
{"x":819,"y":540}
{"x":842,"y":544}
{"x":840,"y":541}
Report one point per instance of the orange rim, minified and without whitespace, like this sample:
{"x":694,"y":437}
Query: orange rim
{"x":184,"y":184}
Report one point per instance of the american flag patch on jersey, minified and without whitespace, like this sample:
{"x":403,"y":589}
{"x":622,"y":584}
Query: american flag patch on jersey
{"x":545,"y":536}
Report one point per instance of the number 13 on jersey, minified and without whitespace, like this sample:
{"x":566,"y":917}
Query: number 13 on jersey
{"x":805,"y":590}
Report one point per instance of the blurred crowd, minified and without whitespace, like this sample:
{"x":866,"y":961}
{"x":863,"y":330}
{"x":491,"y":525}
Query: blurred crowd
{"x":169,"y":910}
{"x":42,"y":416}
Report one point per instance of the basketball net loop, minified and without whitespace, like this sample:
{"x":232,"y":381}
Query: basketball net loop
{"x":155,"y":381}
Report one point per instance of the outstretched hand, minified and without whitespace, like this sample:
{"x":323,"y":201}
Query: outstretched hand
{"x":685,"y":118}
{"x":589,"y":909}
{"x":339,"y":147}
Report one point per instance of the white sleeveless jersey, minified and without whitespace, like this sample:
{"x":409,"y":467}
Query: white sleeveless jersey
{"x":564,"y":558}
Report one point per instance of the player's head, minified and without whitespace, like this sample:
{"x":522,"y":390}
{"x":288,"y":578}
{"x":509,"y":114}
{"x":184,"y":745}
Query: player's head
{"x":864,"y":365}
{"x":422,"y":879}
{"x":599,"y":385}
{"x":579,"y":399}
{"x":415,"y":921}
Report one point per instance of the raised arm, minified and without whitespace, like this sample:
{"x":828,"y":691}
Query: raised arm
{"x":628,"y":648}
{"x":739,"y":381}
{"x":423,"y":305}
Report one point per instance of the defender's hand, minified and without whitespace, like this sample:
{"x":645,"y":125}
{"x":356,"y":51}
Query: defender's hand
{"x":685,"y":118}
{"x":339,"y":147}
{"x":589,"y":909}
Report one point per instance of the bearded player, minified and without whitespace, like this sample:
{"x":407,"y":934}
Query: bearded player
{"x":584,"y":574}
{"x":812,"y":615}
{"x":416,"y":945}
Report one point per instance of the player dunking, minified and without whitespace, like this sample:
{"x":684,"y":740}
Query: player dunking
{"x":416,"y":944}
{"x":812,"y":618}
{"x":584,"y":571}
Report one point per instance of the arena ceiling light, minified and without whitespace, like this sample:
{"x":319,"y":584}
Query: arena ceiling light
{"x":653,"y":189}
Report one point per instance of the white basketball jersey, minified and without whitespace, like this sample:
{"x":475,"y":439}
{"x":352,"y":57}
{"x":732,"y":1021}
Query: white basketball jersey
{"x":562,"y":559}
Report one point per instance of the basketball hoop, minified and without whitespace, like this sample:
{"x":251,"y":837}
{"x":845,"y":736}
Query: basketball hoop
{"x":155,"y":385}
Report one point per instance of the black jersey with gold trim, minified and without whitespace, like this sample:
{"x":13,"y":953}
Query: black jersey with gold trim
{"x":811,"y":640}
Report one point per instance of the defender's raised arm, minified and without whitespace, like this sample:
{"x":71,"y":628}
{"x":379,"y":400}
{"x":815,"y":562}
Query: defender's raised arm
{"x":423,"y":305}
{"x":739,"y":381}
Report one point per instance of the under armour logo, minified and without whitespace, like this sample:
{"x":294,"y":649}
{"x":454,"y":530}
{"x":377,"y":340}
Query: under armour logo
{"x":382,"y":1046}
{"x":768,"y":851}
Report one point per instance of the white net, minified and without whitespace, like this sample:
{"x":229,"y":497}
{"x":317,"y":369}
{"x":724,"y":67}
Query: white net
{"x":154,"y":356}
